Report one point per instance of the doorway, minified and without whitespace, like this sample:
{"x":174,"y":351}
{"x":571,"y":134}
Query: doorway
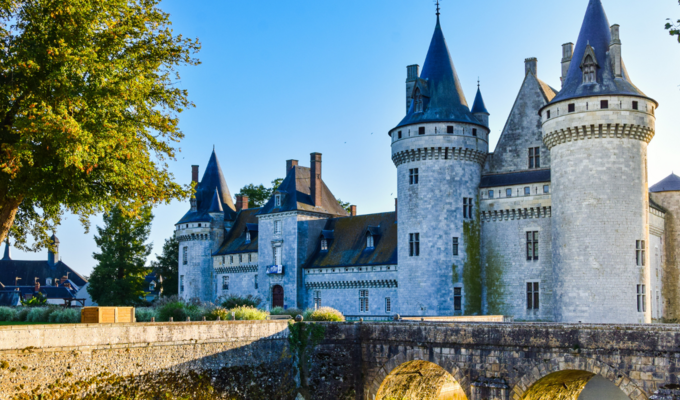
{"x":277,"y":296}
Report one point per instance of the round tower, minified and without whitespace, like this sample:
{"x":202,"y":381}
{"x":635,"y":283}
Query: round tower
{"x":597,"y":129}
{"x":439,"y":149}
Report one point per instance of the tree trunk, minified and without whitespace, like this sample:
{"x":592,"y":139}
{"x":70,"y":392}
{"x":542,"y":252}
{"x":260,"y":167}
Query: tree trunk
{"x":8,"y":210}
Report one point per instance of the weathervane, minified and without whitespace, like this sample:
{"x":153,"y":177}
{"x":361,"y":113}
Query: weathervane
{"x":438,"y":8}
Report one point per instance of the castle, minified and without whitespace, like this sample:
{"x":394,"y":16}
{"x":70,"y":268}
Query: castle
{"x":557,"y":224}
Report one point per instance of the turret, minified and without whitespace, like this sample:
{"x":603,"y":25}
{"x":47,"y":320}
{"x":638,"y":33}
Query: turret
{"x":479,"y":109}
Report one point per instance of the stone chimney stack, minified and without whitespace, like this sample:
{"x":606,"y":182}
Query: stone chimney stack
{"x":413,"y":73}
{"x":316,"y":185}
{"x":194,"y":173}
{"x":615,"y":51}
{"x":567,"y":54}
{"x":531,"y":64}
{"x":352,"y":211}
{"x":242,"y":202}
{"x":37,"y":285}
{"x":290,"y":164}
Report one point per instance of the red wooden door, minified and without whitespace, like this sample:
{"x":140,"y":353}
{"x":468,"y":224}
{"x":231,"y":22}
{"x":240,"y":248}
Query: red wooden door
{"x":277,"y":296}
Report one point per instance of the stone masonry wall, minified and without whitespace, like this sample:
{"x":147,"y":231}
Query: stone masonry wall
{"x":671,"y":273}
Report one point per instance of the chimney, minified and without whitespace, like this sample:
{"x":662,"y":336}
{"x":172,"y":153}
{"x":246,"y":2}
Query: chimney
{"x":531,"y":64}
{"x":241,"y":202}
{"x":352,"y":211}
{"x":567,"y":54}
{"x":194,"y":173}
{"x":315,"y":177}
{"x":290,"y":164}
{"x":53,"y":256}
{"x":37,"y":285}
{"x":615,"y":51}
{"x":412,"y":73}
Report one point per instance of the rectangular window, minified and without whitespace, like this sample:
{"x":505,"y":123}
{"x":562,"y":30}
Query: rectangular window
{"x":414,"y":244}
{"x":449,"y":129}
{"x":363,"y":300}
{"x":247,"y":237}
{"x":421,"y":130}
{"x":455,"y":246}
{"x":527,"y":191}
{"x":185,"y":255}
{"x":640,"y":252}
{"x":388,"y":304}
{"x":399,"y":134}
{"x":534,"y":157}
{"x":533,"y":295}
{"x":635,"y":105}
{"x":240,"y":258}
{"x":474,"y":132}
{"x":604,"y":104}
{"x":317,"y":299}
{"x":255,"y":281}
{"x":277,"y":200}
{"x":181,"y":284}
{"x":546,"y":188}
{"x":231,"y":259}
{"x":641,"y":298}
{"x":508,"y":192}
{"x":532,"y":246}
{"x":225,"y":283}
{"x":369,"y":242}
{"x":491,"y":194}
{"x":458,"y":299}
{"x":413,"y":176}
{"x":324,"y":245}
{"x":277,"y":255}
{"x":277,"y":226}
{"x":548,"y":113}
{"x":250,"y":258}
{"x":572,"y":107}
{"x":467,"y":208}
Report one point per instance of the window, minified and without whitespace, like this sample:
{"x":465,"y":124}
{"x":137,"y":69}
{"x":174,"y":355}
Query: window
{"x":534,"y":157}
{"x":548,"y":113}
{"x":152,"y":286}
{"x":363,"y":300}
{"x":277,"y":226}
{"x":458,"y":299}
{"x":455,"y":246}
{"x":413,"y":176}
{"x":399,"y":134}
{"x":474,"y":132}
{"x":231,"y":259}
{"x":418,"y":98}
{"x":532,"y":246}
{"x":491,"y":194}
{"x":370,"y":242}
{"x":572,"y":107}
{"x":225,"y":283}
{"x":185,"y":255}
{"x":247,"y":237}
{"x":388,"y":304}
{"x":508,"y":192}
{"x":277,"y":200}
{"x":640,"y":252}
{"x":414,"y":244}
{"x":589,"y":69}
{"x":533,"y":302}
{"x":641,"y":298}
{"x":181,"y":283}
{"x":324,"y":245}
{"x":449,"y":129}
{"x":527,"y":191}
{"x":635,"y":105}
{"x":222,"y":260}
{"x":199,"y":225}
{"x":240,"y":258}
{"x":317,"y":299}
{"x":604,"y":104}
{"x":467,"y":208}
{"x":277,"y":255}
{"x":255,"y":281}
{"x":250,"y":258}
{"x":546,"y":188}
{"x":421,"y":130}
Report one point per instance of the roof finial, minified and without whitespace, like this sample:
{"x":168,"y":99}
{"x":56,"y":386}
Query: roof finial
{"x":477,"y":82}
{"x":438,"y":9}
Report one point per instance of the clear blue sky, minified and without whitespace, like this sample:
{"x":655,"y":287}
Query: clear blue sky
{"x":282,"y":79}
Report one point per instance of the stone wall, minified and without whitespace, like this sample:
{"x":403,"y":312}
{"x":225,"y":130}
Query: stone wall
{"x":671,"y":264}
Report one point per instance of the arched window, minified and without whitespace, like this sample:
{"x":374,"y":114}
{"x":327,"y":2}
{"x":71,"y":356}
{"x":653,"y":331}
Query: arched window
{"x":589,"y":70}
{"x":370,"y":243}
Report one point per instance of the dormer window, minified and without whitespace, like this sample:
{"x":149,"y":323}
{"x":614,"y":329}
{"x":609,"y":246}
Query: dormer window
{"x":152,"y":286}
{"x":589,"y":65}
{"x":370,"y":242}
{"x":247,"y":237}
{"x":324,"y":245}
{"x":418,"y":99}
{"x":277,"y":200}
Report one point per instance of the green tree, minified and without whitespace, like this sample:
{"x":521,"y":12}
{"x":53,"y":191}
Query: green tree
{"x":346,"y":206}
{"x":674,"y":29}
{"x":118,"y":279}
{"x":167,"y":265}
{"x":89,"y":105}
{"x":259,"y":195}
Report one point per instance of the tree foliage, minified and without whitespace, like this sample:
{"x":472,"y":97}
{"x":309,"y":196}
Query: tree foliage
{"x":37,"y":300}
{"x":89,"y":107}
{"x":346,"y":206}
{"x":674,"y":29}
{"x":118,"y":278}
{"x":167,"y":265}
{"x":259,"y":195}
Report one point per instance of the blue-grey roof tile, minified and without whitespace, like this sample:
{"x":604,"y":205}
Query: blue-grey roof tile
{"x":478,"y":106}
{"x":669,"y":184}
{"x":515,"y":178}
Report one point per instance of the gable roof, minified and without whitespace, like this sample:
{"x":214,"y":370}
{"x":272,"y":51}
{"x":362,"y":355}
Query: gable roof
{"x":235,"y":242}
{"x":10,"y":298}
{"x":515,"y":178}
{"x":29,"y":270}
{"x":348,"y":247}
{"x":671,"y":183}
{"x":295,"y":193}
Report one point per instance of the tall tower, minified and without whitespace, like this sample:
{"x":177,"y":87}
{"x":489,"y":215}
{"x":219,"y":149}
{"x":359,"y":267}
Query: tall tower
{"x":201,"y":231}
{"x":439,"y":149}
{"x":597,"y":129}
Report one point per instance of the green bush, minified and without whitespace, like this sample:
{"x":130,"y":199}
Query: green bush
{"x":22,"y":314}
{"x":245,"y":313}
{"x":7,"y":314}
{"x":40,"y":314}
{"x":178,"y":310}
{"x":223,"y":313}
{"x":239,"y":301}
{"x":65,"y":316}
{"x":307,"y":315}
{"x":293,"y":312}
{"x":145,"y":314}
{"x":326,"y":314}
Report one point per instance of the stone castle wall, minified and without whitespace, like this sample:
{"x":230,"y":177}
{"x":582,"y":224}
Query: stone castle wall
{"x":671,"y":266}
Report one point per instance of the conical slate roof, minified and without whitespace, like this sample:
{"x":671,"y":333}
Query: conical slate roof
{"x":445,"y":100}
{"x":670,"y":184}
{"x":595,"y":32}
{"x":478,"y":106}
{"x":216,"y":204}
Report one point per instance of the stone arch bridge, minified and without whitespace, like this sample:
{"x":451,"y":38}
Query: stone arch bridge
{"x":358,"y":361}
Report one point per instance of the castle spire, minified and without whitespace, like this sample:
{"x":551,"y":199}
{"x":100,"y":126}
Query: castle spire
{"x":438,"y":13}
{"x":7,"y":256}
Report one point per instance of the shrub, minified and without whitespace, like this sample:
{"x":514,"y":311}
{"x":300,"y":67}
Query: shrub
{"x":22,"y":314}
{"x":326,"y":314}
{"x":65,"y":316}
{"x":178,"y":310}
{"x":223,"y":313}
{"x":145,"y":314}
{"x":293,"y":312}
{"x":307,"y":315}
{"x":40,"y":314}
{"x":239,"y":301}
{"x":245,"y":313}
{"x":7,"y":314}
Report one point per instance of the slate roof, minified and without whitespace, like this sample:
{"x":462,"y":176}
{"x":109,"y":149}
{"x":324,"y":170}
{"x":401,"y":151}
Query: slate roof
{"x":656,"y":205}
{"x":235,"y":242}
{"x":348,"y":246}
{"x":595,"y":32}
{"x":515,"y":178}
{"x":478,"y":106}
{"x":29,"y":270}
{"x":9,"y":298}
{"x":669,"y":184}
{"x":51,"y":292}
{"x":446,"y":102}
{"x":295,"y":196}
{"x":213,"y":179}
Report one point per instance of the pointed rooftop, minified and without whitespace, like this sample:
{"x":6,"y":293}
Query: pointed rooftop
{"x":55,"y":239}
{"x":216,"y":204}
{"x":444,"y":100}
{"x":596,"y":33}
{"x":670,"y":184}
{"x":7,"y":256}
{"x":478,"y":106}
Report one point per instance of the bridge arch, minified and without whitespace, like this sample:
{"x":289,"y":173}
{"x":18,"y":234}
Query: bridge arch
{"x":566,"y":380}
